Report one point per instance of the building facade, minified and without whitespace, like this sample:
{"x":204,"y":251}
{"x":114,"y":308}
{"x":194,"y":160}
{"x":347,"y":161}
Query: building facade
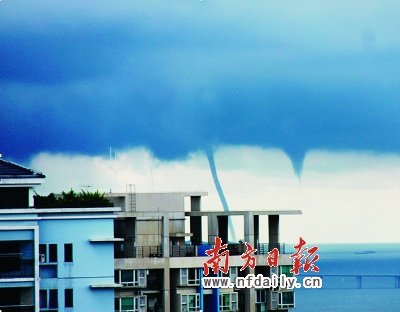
{"x":159,"y":263}
{"x":52,"y":259}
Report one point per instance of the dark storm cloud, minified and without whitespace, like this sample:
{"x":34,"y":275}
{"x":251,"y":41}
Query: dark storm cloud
{"x":181,"y":76}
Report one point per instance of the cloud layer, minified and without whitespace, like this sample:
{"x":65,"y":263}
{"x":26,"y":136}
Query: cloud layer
{"x":344,"y":197}
{"x":184,"y":76}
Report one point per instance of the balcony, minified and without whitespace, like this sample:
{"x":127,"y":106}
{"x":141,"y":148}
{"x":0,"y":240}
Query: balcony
{"x":12,"y":265}
{"x":234,"y":249}
{"x":128,"y":250}
{"x":19,"y":308}
{"x":17,"y":299}
{"x":264,"y":248}
{"x":137,"y":252}
{"x":183,"y":251}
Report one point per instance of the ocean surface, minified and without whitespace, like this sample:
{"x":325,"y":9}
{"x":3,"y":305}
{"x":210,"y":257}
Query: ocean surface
{"x":357,"y":277}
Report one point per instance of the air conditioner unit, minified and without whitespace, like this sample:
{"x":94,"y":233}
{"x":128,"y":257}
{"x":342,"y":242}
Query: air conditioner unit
{"x":42,"y":258}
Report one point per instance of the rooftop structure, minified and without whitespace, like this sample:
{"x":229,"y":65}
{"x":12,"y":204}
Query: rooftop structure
{"x":16,"y":184}
{"x":159,"y":261}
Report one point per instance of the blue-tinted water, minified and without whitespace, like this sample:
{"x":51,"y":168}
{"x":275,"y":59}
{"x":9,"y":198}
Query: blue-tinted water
{"x":374,"y":268}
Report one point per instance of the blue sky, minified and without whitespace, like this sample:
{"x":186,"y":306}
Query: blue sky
{"x":181,"y":77}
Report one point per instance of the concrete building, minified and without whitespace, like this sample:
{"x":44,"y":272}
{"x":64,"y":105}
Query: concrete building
{"x":159,"y":263}
{"x":52,"y":259}
{"x":146,"y":256}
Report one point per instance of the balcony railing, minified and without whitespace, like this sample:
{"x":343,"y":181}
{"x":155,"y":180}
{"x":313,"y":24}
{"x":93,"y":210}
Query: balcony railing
{"x":124,"y":250}
{"x":183,"y":251}
{"x":12,"y":266}
{"x":264,"y":248}
{"x":15,"y":308}
{"x":138,"y":252}
{"x":198,"y":250}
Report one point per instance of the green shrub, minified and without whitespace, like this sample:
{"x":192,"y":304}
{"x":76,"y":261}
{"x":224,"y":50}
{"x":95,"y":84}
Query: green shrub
{"x":72,"y":199}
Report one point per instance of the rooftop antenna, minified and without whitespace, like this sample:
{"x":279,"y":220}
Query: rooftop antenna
{"x":111,"y":167}
{"x":86,"y":186}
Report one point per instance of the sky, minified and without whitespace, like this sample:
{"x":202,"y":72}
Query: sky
{"x":297,"y":101}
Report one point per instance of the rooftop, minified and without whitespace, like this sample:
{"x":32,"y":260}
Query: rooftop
{"x":243,"y":212}
{"x":10,"y":170}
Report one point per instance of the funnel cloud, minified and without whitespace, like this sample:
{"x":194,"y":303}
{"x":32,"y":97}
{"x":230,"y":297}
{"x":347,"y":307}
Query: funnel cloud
{"x":180,"y":77}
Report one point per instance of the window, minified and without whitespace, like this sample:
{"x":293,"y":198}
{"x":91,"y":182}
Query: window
{"x":68,"y":253}
{"x":232,"y":274}
{"x":228,"y":302}
{"x":131,"y":304}
{"x":127,"y":304}
{"x":131,"y":278}
{"x":225,"y":302}
{"x":43,"y":298}
{"x":285,"y":269}
{"x":69,"y":298}
{"x":42,"y":252}
{"x":261,"y":296}
{"x":48,"y":253}
{"x":190,"y":276}
{"x":53,"y":298}
{"x":190,"y":303}
{"x":286,"y":300}
{"x":52,"y":253}
{"x":48,"y":299}
{"x":234,"y":301}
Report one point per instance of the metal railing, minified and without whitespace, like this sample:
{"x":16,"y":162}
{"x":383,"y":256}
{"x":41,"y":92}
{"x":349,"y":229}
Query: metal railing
{"x":127,"y":250}
{"x":16,"y":268}
{"x":265,"y":248}
{"x":183,"y":251}
{"x":15,"y":308}
{"x":138,"y":252}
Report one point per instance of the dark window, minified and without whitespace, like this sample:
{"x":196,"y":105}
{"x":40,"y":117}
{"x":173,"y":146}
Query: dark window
{"x":52,"y":253}
{"x":43,"y":252}
{"x":53,"y":299}
{"x":68,"y":254}
{"x":116,"y":277}
{"x":43,"y":298}
{"x":69,"y":298}
{"x":14,"y":197}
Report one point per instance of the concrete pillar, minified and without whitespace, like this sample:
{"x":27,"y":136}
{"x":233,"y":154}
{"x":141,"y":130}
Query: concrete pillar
{"x":212,"y":227}
{"x":223,"y":228}
{"x":249,"y":228}
{"x":167,"y":292}
{"x":250,"y":295}
{"x":273,"y":228}
{"x":165,"y":235}
{"x":249,"y":237}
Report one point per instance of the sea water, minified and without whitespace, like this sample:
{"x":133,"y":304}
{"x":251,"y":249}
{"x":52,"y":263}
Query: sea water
{"x":362,"y":277}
